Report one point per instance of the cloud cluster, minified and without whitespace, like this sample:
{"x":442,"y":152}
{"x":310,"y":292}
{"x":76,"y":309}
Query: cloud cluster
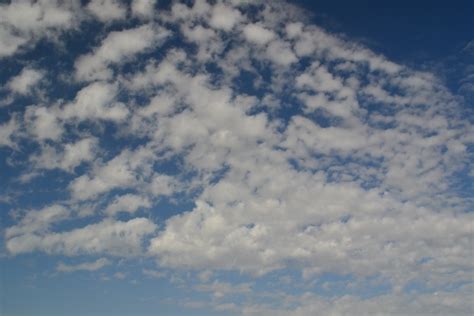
{"x":300,"y":150}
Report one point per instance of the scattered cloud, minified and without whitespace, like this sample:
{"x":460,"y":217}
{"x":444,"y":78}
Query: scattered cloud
{"x":85,"y":266}
{"x":264,"y":149}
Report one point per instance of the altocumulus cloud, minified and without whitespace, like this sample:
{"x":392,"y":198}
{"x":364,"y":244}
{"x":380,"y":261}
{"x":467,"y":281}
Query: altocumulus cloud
{"x":234,"y":138}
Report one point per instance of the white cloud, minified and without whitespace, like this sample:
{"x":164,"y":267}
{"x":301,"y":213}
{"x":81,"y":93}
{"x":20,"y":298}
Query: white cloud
{"x":107,"y":10}
{"x":361,"y":178}
{"x":221,"y":289}
{"x":7,"y":131}
{"x":84,"y":266}
{"x":115,"y":173}
{"x":25,"y":22}
{"x":38,"y":221}
{"x":143,"y":8}
{"x":280,"y":52}
{"x":118,"y":47}
{"x":43,"y":123}
{"x":9,"y":43}
{"x":115,"y":238}
{"x":224,"y":17}
{"x":97,"y":101}
{"x":257,"y":34}
{"x":127,"y":203}
{"x":68,"y":157}
{"x":122,"y":171}
{"x":25,"y":81}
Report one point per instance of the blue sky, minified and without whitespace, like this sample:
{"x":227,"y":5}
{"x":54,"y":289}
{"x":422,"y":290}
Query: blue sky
{"x":236,"y":158}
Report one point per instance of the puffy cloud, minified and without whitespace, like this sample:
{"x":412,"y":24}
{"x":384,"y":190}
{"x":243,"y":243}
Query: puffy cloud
{"x":115,"y":173}
{"x":38,"y":221}
{"x":96,"y":101}
{"x":118,"y":47}
{"x":7,"y":131}
{"x":9,"y":43}
{"x":43,"y":123}
{"x":24,"y":22}
{"x":257,"y":34}
{"x":346,"y":163}
{"x":25,"y":81}
{"x":224,"y":17}
{"x":280,"y":52}
{"x":115,"y":238}
{"x":84,"y":266}
{"x":125,"y":170}
{"x":68,"y":157}
{"x":143,"y":8}
{"x":127,"y":203}
{"x":107,"y":10}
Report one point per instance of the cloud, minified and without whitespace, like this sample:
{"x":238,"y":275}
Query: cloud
{"x":294,"y":153}
{"x":280,"y":52}
{"x":25,"y":22}
{"x":121,"y":171}
{"x":97,"y":101}
{"x":118,"y":47}
{"x":127,"y":203}
{"x":68,"y":157}
{"x":25,"y":81}
{"x":85,"y":266}
{"x":143,"y":8}
{"x":224,"y":17}
{"x":110,"y":237}
{"x":38,"y":221}
{"x":257,"y":34}
{"x":7,"y":131}
{"x":107,"y":10}
{"x":153,"y":273}
{"x":43,"y":123}
{"x":439,"y":303}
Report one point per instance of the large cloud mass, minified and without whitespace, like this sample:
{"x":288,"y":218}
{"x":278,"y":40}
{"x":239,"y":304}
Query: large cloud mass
{"x":301,"y":151}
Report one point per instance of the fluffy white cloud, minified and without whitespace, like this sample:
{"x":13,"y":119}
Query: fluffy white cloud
{"x":9,"y":43}
{"x":143,"y":8}
{"x":127,"y":203}
{"x":68,"y":157}
{"x":25,"y":22}
{"x":345,"y":163}
{"x":280,"y":52}
{"x":118,"y":47}
{"x":7,"y":131}
{"x":111,"y":237}
{"x":25,"y":81}
{"x":257,"y":34}
{"x":43,"y":123}
{"x":129,"y":168}
{"x":96,"y":101}
{"x":221,"y":289}
{"x":38,"y":221}
{"x":224,"y":17}
{"x":107,"y":10}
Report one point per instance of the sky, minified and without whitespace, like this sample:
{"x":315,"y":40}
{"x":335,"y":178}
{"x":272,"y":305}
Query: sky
{"x":236,"y":158}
